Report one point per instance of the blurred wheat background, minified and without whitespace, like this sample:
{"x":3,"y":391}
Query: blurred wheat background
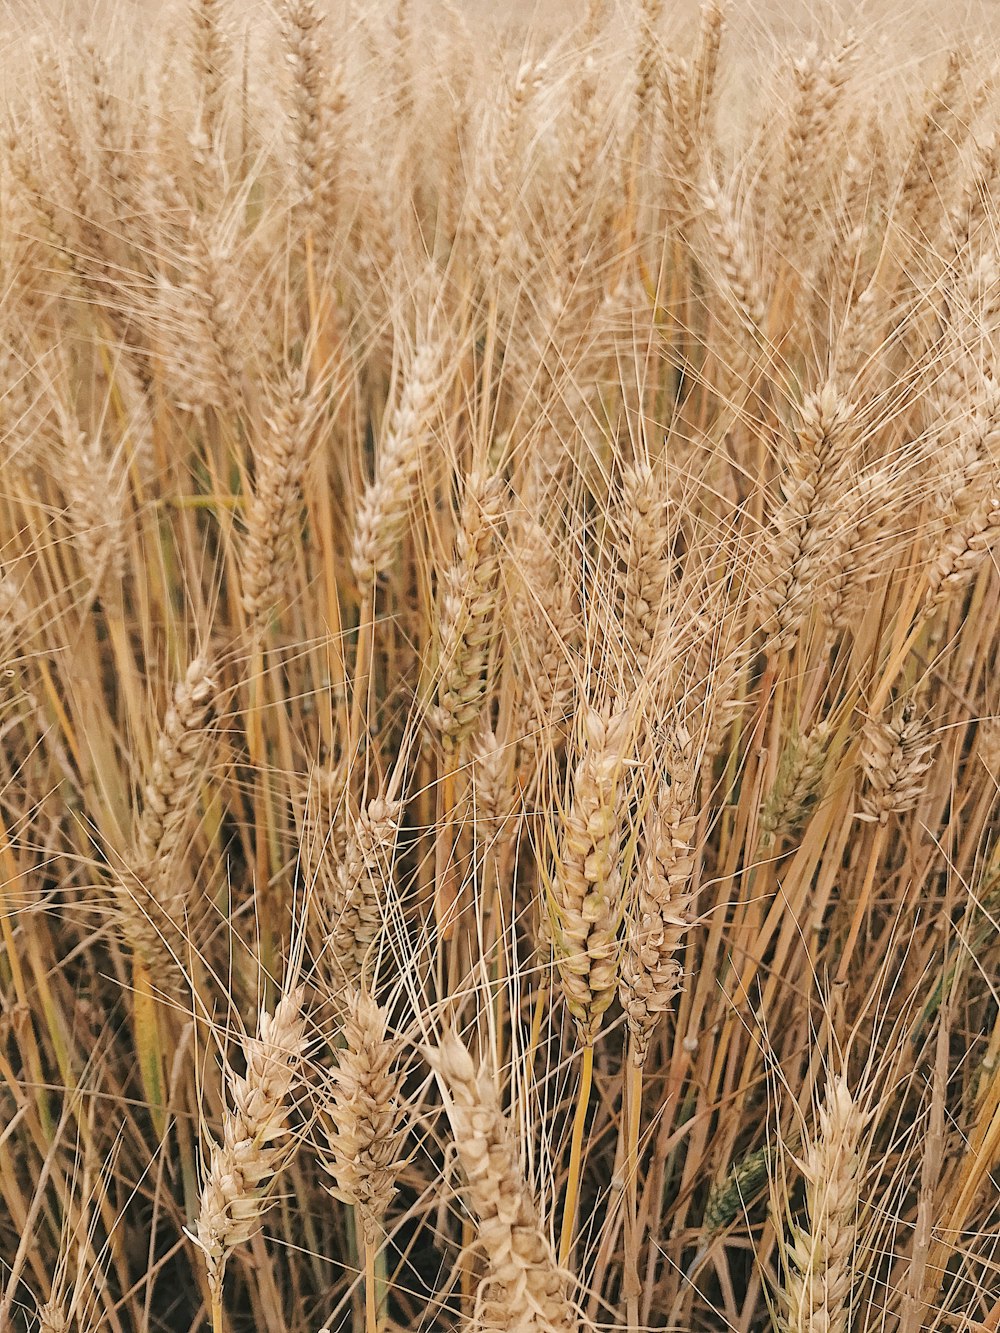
{"x":499,"y":703}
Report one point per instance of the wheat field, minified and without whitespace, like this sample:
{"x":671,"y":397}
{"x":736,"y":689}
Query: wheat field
{"x":499,"y":682}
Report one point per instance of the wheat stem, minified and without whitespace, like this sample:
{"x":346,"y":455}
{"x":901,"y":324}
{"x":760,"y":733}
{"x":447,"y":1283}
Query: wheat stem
{"x":371,"y":1294}
{"x":576,"y":1154}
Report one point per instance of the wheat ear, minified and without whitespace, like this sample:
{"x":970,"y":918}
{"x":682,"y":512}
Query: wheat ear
{"x":95,"y":485}
{"x":154,"y":897}
{"x":359,"y":891}
{"x":525,"y":1289}
{"x":734,"y":264}
{"x":895,"y":756}
{"x":361,"y":1116}
{"x":467,"y":610}
{"x":587,"y":908}
{"x":650,"y":972}
{"x":543,"y":635}
{"x":383,"y":508}
{"x":797,"y":782}
{"x":819,"y":1269}
{"x":211,"y":51}
{"x":809,"y":526}
{"x":645,"y":540}
{"x":316,"y":101}
{"x":273,"y":508}
{"x":255,"y":1135}
{"x":588,"y":888}
{"x":962,"y":552}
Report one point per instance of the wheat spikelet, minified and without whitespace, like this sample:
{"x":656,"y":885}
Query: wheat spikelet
{"x":361,"y":1116}
{"x":819,"y":1272}
{"x":467,"y":609}
{"x":588,"y":887}
{"x":661,"y":912}
{"x":280,"y":465}
{"x":255,"y":1134}
{"x":896,"y":754}
{"x":525,"y":1289}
